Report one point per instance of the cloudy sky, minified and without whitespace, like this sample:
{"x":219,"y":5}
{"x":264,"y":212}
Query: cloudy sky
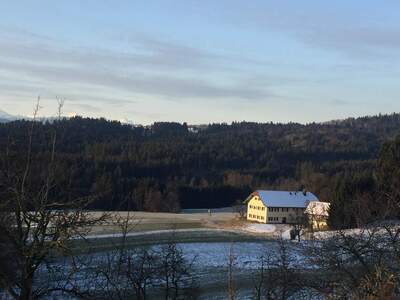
{"x":201,"y":61}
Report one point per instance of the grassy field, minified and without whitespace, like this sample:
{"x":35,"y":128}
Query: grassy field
{"x":201,"y":235}
{"x":160,"y":237}
{"x":147,"y":221}
{"x":158,"y":228}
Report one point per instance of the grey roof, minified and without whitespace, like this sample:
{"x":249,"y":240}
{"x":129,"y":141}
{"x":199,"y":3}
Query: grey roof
{"x":286,"y":198}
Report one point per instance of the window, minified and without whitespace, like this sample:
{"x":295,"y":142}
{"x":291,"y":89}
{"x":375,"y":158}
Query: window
{"x":270,"y":219}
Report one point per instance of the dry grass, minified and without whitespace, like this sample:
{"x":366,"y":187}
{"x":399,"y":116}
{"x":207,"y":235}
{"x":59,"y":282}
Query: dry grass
{"x":147,"y":221}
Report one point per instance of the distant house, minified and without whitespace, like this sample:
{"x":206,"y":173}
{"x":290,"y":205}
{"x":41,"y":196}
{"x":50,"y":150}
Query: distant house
{"x":318,"y":213}
{"x":278,"y":206}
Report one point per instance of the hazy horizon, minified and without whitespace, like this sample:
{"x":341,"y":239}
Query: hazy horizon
{"x":5,"y":115}
{"x":201,"y":62}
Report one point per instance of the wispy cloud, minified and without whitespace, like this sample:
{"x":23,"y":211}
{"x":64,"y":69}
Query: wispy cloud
{"x":153,"y":67}
{"x":359,"y":33}
{"x":84,"y":107}
{"x":207,"y":60}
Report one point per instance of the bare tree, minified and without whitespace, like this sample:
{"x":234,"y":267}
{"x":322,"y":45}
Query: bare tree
{"x":284,"y":279}
{"x":261,"y":276}
{"x":278,"y":274}
{"x":232,"y":262}
{"x":175,"y":272}
{"x":240,"y":209}
{"x":128,"y":272}
{"x":380,"y":285}
{"x":300,"y":223}
{"x":35,"y":223}
{"x":362,"y":263}
{"x":123,"y":272}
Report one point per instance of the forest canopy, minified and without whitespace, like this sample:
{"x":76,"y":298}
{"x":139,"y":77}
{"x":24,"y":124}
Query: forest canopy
{"x":170,"y":166}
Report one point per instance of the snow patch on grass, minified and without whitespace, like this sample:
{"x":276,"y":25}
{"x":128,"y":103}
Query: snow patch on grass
{"x":260,"y":228}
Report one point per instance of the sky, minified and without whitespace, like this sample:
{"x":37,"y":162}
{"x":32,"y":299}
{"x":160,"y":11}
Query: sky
{"x":201,"y":61}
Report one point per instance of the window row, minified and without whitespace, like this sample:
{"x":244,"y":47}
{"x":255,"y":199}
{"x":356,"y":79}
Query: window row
{"x":271,"y":219}
{"x":278,"y":209}
{"x":257,"y":207}
{"x":256,"y":217}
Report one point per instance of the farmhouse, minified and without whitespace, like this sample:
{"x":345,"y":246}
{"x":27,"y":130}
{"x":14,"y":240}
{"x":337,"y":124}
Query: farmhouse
{"x":278,"y":206}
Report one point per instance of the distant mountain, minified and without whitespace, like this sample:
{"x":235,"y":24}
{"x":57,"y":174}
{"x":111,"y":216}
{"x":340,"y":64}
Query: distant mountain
{"x":6,"y":117}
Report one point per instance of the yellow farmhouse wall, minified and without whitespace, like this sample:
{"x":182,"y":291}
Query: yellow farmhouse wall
{"x":256,"y":211}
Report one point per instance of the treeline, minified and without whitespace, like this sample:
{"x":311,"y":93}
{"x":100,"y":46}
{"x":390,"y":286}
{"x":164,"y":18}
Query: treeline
{"x":365,"y":196}
{"x":170,"y":166}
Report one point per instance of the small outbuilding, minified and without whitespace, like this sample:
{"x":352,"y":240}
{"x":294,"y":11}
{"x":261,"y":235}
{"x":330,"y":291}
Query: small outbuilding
{"x":265,"y":206}
{"x":318,"y":213}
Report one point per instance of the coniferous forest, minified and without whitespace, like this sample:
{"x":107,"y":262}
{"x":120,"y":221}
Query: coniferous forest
{"x":172,"y":166}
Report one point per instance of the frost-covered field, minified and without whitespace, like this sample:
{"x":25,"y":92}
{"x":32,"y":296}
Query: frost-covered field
{"x":210,"y":265}
{"x":216,"y":254}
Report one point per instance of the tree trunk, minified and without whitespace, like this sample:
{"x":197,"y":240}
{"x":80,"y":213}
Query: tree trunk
{"x":26,"y":290}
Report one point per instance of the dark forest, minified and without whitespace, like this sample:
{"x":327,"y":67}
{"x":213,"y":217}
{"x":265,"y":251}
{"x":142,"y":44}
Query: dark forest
{"x":171,"y":166}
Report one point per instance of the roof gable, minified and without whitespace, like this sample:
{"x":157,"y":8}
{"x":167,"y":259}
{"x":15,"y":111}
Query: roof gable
{"x":286,"y":198}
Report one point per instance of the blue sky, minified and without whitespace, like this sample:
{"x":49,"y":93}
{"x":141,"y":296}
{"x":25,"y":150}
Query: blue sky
{"x":201,"y":61}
